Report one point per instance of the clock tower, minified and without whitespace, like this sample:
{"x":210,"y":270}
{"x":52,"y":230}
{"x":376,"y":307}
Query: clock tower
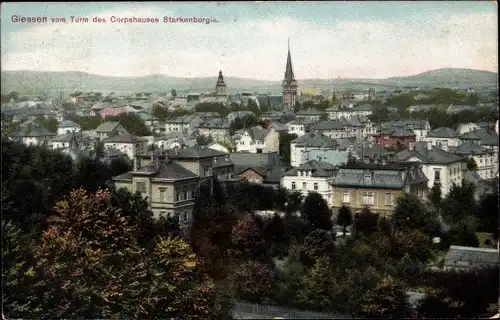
{"x":289,"y":84}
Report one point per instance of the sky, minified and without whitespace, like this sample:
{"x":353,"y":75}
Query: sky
{"x":249,"y":40}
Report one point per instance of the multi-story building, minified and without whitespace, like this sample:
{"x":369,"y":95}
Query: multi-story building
{"x":299,"y":127}
{"x":309,"y":115}
{"x":109,"y":129}
{"x":300,"y":147}
{"x":483,"y":157}
{"x":376,"y":186}
{"x":32,"y":133}
{"x":187,"y":123}
{"x":216,"y":128}
{"x":289,"y":84}
{"x":393,"y":137}
{"x":443,"y":138}
{"x":258,"y":140}
{"x":126,"y":143}
{"x":439,"y":166}
{"x":311,"y":176}
{"x":170,"y":179}
{"x":336,"y":113}
{"x":68,"y":126}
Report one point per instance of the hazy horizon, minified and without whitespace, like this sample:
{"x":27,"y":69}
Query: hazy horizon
{"x":347,"y":40}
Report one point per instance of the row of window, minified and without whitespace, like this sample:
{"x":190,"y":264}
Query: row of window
{"x":368,"y":198}
{"x":304,"y":185}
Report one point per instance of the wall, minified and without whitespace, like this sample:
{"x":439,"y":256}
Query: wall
{"x":356,"y":199}
{"x":324,"y":187}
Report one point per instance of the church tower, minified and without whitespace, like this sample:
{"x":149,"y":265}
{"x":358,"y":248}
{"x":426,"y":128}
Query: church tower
{"x":220,"y":87}
{"x":289,"y":83}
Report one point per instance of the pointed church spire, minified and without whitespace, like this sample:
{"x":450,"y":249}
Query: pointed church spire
{"x":289,"y":76}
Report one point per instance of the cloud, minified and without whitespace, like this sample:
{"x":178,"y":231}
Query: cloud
{"x":256,"y":48}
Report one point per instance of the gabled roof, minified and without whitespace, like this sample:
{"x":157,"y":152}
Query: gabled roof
{"x":469,"y":148}
{"x":390,"y":176}
{"x":314,"y":139}
{"x":434,"y":156}
{"x":443,"y":132}
{"x":257,"y":133}
{"x":195,"y":153}
{"x":317,"y":168}
{"x":167,"y":170}
{"x":107,"y":126}
{"x":486,"y":136}
{"x":328,"y":125}
{"x":459,"y":256}
{"x":69,"y":124}
{"x":32,"y":129}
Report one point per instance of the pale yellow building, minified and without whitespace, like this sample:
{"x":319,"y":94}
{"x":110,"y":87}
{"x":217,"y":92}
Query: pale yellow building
{"x":170,"y":179}
{"x":376,"y":185}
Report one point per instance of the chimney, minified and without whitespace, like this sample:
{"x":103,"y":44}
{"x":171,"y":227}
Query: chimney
{"x":152,"y":153}
{"x":384,"y":162}
{"x":411,"y":146}
{"x":226,"y":158}
{"x":157,"y":163}
{"x":429,"y":145}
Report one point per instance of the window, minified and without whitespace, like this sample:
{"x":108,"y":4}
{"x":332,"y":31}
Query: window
{"x":207,"y":172}
{"x":346,"y":197}
{"x":293,"y":185}
{"x":367,"y":198}
{"x":315,"y":186}
{"x":193,"y":194}
{"x":368,"y":177}
{"x":179,"y":196}
{"x":141,"y":187}
{"x":186,"y":195}
{"x":184,"y":216}
{"x":437,"y":175}
{"x":388,"y":199}
{"x":163,"y":195}
{"x":304,"y":185}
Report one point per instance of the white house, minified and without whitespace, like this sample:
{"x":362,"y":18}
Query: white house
{"x":300,"y":147}
{"x":68,"y":126}
{"x":32,"y":133}
{"x":439,"y":166}
{"x":219,"y":147}
{"x":299,"y":127}
{"x":336,"y":113}
{"x":187,"y":123}
{"x":467,"y":127}
{"x":309,"y":115}
{"x":312,"y":176}
{"x":443,"y":138}
{"x":216,"y":128}
{"x":258,"y":140}
{"x":126,"y":143}
{"x":484,"y":158}
{"x":110,"y":129}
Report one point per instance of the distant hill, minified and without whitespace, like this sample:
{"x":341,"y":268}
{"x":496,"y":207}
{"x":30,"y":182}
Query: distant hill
{"x":35,"y":81}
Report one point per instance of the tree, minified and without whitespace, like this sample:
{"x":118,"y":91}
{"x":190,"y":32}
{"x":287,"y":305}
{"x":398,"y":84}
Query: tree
{"x":49,"y":123}
{"x":132,"y":123}
{"x":319,"y":243}
{"x":410,"y":213}
{"x":471,"y":164}
{"x":119,"y":166}
{"x":252,"y":106}
{"x":386,"y":301}
{"x":243,"y":123}
{"x":413,"y":243}
{"x":284,"y":145}
{"x":160,"y":112}
{"x":212,"y":226}
{"x":344,"y":218}
{"x":461,"y":234}
{"x":248,"y":239}
{"x":435,"y":196}
{"x":18,"y":276}
{"x":366,"y":222}
{"x":318,"y":287}
{"x":460,"y":202}
{"x":88,"y":122}
{"x":89,"y":253}
{"x":276,"y":236}
{"x":203,"y":140}
{"x":212,"y":107}
{"x":254,"y":281}
{"x":316,"y":213}
{"x":487,"y":213}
